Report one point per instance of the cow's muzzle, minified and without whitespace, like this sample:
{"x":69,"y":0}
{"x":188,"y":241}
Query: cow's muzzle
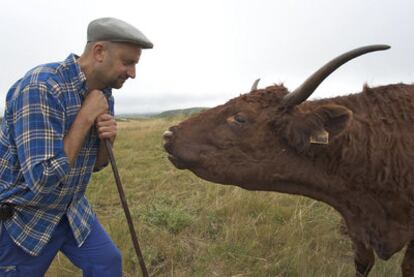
{"x":180,"y":153}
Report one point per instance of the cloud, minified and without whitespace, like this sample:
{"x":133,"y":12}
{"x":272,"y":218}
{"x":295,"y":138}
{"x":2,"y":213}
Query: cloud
{"x":207,"y":52}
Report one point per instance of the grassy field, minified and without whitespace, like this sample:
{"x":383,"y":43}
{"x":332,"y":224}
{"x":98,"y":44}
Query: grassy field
{"x":189,"y":227}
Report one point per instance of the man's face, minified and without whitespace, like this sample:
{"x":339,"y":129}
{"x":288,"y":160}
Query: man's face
{"x":119,"y":64}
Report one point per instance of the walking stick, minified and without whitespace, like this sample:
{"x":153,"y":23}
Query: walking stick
{"x":126,"y":209}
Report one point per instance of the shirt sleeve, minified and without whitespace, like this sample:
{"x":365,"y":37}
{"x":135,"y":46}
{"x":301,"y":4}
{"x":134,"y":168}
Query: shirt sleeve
{"x":39,"y":131}
{"x":111,"y":111}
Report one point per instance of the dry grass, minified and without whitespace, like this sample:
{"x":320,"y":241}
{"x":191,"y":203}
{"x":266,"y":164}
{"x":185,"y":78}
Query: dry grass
{"x":189,"y":227}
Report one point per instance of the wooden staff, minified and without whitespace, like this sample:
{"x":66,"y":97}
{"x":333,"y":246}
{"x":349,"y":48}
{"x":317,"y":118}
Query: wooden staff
{"x":126,"y":209}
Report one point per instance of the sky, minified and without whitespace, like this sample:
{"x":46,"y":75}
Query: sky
{"x":209,"y":51}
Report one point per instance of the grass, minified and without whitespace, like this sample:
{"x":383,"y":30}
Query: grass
{"x":190,"y":227}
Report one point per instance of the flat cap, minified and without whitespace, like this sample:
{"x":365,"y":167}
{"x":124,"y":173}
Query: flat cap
{"x":112,"y":29}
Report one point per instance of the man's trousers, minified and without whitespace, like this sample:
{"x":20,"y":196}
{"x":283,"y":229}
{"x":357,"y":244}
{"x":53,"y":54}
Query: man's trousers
{"x":97,"y":257}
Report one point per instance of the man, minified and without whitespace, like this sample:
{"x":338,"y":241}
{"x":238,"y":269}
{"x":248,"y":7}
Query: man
{"x":50,"y":143}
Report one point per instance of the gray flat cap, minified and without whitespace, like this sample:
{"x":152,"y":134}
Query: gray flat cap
{"x":112,"y":29}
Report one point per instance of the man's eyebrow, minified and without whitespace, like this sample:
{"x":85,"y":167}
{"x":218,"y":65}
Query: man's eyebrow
{"x":129,"y":60}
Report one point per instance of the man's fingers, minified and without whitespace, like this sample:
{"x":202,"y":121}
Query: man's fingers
{"x":106,"y":123}
{"x":103,"y":129}
{"x":104,"y":117}
{"x":107,"y":135}
{"x":106,"y":126}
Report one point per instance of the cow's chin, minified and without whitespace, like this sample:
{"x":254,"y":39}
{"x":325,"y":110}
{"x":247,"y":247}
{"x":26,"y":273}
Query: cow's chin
{"x":208,"y":176}
{"x":180,"y":163}
{"x":193,"y":167}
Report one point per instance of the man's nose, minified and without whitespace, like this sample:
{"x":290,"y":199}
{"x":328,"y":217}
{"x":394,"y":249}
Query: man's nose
{"x":131,"y":72}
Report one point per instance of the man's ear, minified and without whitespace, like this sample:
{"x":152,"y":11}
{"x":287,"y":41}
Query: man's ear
{"x":98,"y":50}
{"x":329,"y":121}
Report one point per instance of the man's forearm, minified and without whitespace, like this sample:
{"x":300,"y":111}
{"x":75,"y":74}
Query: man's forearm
{"x":74,"y":139}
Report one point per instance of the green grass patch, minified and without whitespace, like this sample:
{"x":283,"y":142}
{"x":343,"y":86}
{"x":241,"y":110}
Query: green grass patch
{"x":168,"y":216}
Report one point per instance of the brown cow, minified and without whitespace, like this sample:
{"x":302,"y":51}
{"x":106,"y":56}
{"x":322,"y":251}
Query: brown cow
{"x":355,"y":153}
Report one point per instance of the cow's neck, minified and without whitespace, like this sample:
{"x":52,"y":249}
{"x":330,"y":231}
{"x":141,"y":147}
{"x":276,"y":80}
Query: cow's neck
{"x":373,"y":163}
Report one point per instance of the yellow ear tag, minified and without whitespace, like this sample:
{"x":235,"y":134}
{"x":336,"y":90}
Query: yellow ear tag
{"x":320,"y":137}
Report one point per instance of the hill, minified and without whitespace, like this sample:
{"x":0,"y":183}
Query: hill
{"x":181,"y":112}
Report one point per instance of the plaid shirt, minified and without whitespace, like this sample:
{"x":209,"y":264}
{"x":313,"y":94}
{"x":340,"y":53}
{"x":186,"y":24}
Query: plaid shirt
{"x":35,"y":174}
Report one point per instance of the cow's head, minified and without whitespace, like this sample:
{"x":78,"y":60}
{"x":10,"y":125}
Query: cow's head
{"x":262,"y":137}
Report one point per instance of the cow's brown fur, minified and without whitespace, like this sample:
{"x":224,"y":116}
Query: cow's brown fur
{"x":365,"y":171}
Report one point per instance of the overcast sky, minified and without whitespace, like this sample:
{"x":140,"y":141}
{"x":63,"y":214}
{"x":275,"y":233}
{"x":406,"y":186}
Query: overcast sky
{"x":207,"y":52}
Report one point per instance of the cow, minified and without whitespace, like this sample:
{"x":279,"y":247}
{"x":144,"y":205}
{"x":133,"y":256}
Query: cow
{"x":354,"y":153}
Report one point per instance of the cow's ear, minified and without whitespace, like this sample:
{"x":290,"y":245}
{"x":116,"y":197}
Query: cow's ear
{"x":329,"y":121}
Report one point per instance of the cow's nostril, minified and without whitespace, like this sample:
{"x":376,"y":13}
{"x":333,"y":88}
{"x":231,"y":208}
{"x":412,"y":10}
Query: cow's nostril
{"x":167,"y":135}
{"x":173,"y":128}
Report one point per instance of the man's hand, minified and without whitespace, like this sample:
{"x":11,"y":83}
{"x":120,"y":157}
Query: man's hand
{"x":95,"y":104}
{"x":106,"y":127}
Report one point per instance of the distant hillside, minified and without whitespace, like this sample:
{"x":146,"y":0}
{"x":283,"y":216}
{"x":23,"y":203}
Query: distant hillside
{"x":135,"y":116}
{"x":165,"y":114}
{"x":181,"y":112}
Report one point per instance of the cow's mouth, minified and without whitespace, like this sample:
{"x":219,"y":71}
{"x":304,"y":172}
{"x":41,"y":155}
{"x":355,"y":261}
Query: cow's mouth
{"x":180,"y":157}
{"x":179,"y":163}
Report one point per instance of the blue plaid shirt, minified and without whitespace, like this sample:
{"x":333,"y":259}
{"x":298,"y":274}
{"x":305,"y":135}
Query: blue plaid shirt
{"x":35,"y":174}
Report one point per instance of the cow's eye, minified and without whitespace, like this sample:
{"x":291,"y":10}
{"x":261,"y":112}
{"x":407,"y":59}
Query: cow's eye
{"x":237,"y":120}
{"x":240,"y":119}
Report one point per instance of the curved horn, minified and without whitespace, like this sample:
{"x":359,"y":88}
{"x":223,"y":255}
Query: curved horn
{"x":254,"y":86}
{"x":307,"y":88}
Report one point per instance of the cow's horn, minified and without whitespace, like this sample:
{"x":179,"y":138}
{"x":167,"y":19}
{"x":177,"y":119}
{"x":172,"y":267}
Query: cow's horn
{"x":254,"y":86}
{"x":306,"y":89}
